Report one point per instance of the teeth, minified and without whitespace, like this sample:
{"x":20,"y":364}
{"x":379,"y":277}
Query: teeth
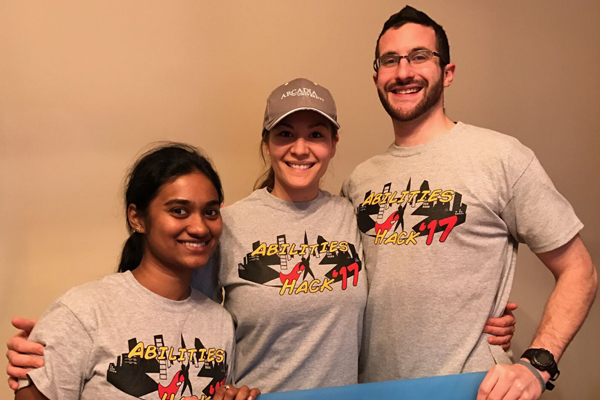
{"x":406,"y":91}
{"x":194,"y":244}
{"x":300,"y":166}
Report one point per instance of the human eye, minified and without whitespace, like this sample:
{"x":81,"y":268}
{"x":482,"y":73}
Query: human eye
{"x":285,"y":134}
{"x":316,"y":135}
{"x":213,"y":213}
{"x":419,"y":56}
{"x":389,"y":60}
{"x":179,"y":212}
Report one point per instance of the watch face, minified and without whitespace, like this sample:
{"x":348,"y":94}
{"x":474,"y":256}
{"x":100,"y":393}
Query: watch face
{"x":543,"y":358}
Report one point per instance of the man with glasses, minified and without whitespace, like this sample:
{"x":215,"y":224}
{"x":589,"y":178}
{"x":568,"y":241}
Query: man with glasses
{"x":441,"y":213}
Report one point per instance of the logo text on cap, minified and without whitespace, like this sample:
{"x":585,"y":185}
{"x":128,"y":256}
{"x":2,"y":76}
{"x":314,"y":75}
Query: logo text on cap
{"x":302,"y":92}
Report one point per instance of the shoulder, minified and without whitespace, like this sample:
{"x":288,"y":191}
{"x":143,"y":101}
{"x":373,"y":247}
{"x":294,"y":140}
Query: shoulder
{"x":240,"y":206}
{"x":337,"y":202}
{"x":487,"y":141}
{"x":81,"y":297}
{"x":364,"y":172}
{"x":366,"y":167}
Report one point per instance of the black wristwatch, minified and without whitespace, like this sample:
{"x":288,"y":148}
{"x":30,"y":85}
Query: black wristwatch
{"x":543,"y":360}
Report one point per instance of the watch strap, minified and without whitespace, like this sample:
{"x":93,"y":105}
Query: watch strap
{"x":535,"y":373}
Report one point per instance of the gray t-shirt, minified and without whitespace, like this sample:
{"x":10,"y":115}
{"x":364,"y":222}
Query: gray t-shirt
{"x":440,"y":225}
{"x":113,"y":339}
{"x":296,"y":288}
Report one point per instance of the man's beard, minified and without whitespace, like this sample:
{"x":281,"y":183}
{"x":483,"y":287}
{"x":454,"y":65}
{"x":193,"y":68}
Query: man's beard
{"x":431,"y":96}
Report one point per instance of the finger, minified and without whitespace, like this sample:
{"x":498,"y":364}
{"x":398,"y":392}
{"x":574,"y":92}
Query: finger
{"x":16,"y":373}
{"x":499,"y":340}
{"x":254,"y":392}
{"x":24,"y":360}
{"x":24,"y":324}
{"x":501,"y":387}
{"x":243,"y":393}
{"x":225,"y":392}
{"x":499,"y":330}
{"x":13,"y":384}
{"x":506,"y":346}
{"x":487,"y":385}
{"x":230,"y":393}
{"x":219,"y":393}
{"x":22,"y":345}
{"x":511,"y":307}
{"x":504,"y":321}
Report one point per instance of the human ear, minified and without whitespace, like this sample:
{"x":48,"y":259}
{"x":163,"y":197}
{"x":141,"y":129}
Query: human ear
{"x":449,"y":74}
{"x":335,"y":141}
{"x":134,"y":217}
{"x":266,"y":150}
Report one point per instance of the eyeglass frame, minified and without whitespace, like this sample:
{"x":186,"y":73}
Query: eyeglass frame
{"x":434,"y":53}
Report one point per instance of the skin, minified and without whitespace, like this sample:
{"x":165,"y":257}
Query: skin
{"x":417,"y":127}
{"x":185,"y":212}
{"x":571,"y":265}
{"x":303,"y":138}
{"x":181,"y":229}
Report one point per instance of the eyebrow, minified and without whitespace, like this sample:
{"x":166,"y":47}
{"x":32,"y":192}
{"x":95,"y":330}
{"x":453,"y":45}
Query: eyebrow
{"x":310,"y":126}
{"x":413,"y":49}
{"x":187,"y":202}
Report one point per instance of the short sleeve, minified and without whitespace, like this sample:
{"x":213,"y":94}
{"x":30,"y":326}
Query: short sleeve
{"x":66,"y":355}
{"x":537,"y":214}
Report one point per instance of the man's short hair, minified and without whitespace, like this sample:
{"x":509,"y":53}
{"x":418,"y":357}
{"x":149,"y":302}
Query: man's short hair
{"x":411,"y":15}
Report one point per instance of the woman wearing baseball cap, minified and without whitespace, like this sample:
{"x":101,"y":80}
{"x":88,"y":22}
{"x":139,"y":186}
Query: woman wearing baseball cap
{"x":291,"y":261}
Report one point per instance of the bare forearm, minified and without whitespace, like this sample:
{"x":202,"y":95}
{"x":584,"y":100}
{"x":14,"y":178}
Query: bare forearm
{"x":29,"y":393}
{"x":568,"y":304}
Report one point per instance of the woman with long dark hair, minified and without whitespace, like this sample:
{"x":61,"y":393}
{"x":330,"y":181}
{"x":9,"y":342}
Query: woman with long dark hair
{"x":143,"y":332}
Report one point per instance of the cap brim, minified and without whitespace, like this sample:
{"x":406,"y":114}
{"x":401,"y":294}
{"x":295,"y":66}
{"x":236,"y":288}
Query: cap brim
{"x":278,"y":120}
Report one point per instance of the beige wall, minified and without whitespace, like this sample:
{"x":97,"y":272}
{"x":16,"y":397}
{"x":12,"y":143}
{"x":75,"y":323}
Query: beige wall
{"x":85,"y":85}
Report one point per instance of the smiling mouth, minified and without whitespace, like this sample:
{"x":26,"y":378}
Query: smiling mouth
{"x":406,"y":91}
{"x":195,"y":244}
{"x":299,"y":166}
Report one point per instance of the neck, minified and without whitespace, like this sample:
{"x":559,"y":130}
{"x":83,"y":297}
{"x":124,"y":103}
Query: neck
{"x":296,"y":196}
{"x":163,"y":281}
{"x":422,"y":130}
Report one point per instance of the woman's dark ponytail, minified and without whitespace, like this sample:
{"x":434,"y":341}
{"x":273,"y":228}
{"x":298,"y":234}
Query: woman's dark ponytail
{"x":132,"y":253}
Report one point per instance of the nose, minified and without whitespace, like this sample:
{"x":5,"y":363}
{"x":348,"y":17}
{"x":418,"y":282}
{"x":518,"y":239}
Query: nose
{"x":299,"y":147}
{"x":404,"y":70}
{"x":197,"y":226}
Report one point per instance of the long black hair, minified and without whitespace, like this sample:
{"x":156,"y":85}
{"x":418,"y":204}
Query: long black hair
{"x":153,"y":169}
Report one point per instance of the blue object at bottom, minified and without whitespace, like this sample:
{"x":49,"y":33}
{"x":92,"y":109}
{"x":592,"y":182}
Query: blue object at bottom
{"x":448,"y":387}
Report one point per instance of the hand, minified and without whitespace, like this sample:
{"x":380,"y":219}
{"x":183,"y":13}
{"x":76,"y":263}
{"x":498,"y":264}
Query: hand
{"x":502,"y":328}
{"x":510,"y":382}
{"x":230,"y":392}
{"x":20,"y":352}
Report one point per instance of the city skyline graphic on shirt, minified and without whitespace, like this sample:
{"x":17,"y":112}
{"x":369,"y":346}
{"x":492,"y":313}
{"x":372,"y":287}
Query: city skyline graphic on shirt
{"x":383,"y":215}
{"x":157,"y":371}
{"x":302,"y":268}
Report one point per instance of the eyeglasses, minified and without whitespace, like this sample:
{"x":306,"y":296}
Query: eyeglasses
{"x":416,"y":57}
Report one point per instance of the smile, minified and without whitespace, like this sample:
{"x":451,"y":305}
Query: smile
{"x":194,"y":244}
{"x":406,"y":91}
{"x":299,"y":166}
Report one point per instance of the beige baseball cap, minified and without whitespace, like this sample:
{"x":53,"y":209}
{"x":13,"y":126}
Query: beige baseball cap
{"x":299,"y":94}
